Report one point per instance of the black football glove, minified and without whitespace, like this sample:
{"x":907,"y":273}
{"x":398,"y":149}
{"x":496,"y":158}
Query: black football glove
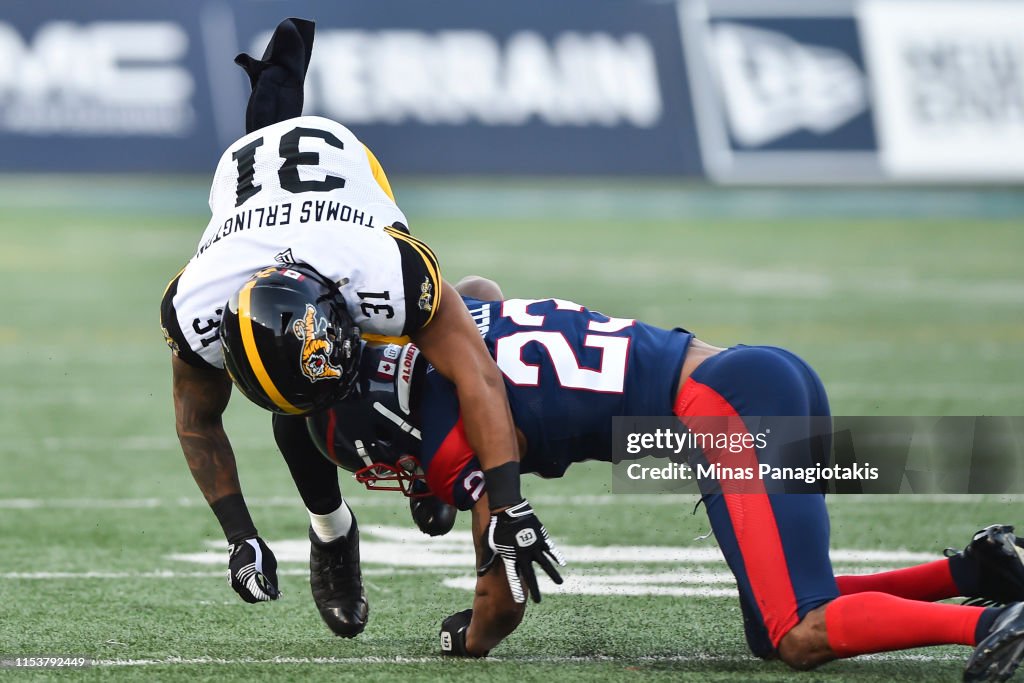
{"x":453,"y":635}
{"x":432,"y":515}
{"x":252,"y":570}
{"x":517,"y":536}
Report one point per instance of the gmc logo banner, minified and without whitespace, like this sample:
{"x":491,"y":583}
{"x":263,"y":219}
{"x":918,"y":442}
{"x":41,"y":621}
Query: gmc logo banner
{"x":581,"y":86}
{"x":122,"y":88}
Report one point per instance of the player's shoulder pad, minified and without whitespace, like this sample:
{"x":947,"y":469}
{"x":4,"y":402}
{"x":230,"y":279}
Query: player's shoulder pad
{"x":421,"y":277}
{"x":171,"y":327}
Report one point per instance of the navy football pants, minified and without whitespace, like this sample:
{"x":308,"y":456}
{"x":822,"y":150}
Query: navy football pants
{"x":776,"y":544}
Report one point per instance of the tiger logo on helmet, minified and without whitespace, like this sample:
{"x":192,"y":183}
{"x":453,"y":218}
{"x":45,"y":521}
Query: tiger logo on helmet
{"x":314,"y":360}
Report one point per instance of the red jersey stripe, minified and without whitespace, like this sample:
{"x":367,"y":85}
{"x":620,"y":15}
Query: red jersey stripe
{"x":451,"y":458}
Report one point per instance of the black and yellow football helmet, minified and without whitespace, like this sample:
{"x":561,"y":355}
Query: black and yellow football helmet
{"x":289,"y":342}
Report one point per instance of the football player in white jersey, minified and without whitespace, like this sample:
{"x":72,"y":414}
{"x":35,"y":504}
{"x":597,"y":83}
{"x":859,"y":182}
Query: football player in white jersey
{"x":305,"y":251}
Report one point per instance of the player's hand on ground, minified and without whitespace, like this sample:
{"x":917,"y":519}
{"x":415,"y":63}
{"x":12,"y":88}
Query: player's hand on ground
{"x":453,"y":635}
{"x":252,"y":570}
{"x":517,"y":536}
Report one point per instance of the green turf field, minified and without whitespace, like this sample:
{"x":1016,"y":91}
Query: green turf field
{"x":908,"y":303}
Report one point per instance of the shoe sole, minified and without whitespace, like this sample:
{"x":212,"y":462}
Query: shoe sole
{"x":349,"y":631}
{"x":1003,"y":659}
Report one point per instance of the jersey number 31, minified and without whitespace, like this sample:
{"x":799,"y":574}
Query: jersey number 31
{"x":288,"y":174}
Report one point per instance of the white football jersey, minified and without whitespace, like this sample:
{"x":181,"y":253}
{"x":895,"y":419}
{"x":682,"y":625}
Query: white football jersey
{"x":305,"y":190}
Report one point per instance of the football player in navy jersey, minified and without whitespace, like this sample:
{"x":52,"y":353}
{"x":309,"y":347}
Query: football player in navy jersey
{"x":568,"y":371}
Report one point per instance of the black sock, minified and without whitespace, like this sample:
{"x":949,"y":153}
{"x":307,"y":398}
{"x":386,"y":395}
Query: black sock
{"x":985,"y":623}
{"x":965,"y":575}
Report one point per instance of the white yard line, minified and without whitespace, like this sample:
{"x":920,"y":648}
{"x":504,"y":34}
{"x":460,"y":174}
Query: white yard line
{"x":538,"y":659}
{"x":607,"y":575}
{"x":114,"y":444}
{"x":172,"y":574}
{"x":385,"y":500}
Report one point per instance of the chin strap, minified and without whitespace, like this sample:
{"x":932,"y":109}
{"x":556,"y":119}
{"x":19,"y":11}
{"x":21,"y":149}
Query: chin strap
{"x":277,"y":79}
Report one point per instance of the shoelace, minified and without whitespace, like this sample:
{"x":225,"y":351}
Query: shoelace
{"x":983,"y":602}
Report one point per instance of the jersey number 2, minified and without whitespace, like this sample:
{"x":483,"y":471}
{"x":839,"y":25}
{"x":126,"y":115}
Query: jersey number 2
{"x":609,"y":377}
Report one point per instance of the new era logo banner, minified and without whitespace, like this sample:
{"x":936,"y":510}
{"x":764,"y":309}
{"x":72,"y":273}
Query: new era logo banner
{"x":774,"y":86}
{"x":780,"y":91}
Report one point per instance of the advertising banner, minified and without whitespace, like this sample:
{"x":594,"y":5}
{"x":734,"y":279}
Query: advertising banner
{"x":103,"y":86}
{"x":459,"y":87}
{"x":780,"y":91}
{"x":948,"y":86}
{"x":739,"y":91}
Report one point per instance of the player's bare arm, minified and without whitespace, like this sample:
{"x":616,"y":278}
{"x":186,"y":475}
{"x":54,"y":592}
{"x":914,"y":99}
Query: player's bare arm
{"x":200,"y":397}
{"x":453,"y":346}
{"x":495,"y":613}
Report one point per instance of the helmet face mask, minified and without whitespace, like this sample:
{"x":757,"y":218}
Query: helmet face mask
{"x":405,"y":475}
{"x":289,"y":343}
{"x":374,"y":434}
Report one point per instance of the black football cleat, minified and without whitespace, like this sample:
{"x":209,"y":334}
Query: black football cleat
{"x":999,"y":557}
{"x":1000,"y":653}
{"x":337,"y":583}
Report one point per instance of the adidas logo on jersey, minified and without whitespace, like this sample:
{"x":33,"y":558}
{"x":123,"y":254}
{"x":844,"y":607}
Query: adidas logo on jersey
{"x":285,"y":257}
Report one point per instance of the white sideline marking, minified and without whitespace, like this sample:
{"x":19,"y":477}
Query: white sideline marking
{"x":927,"y":390}
{"x":155,"y":503}
{"x":146,"y":443}
{"x":621,"y":585}
{"x":378,"y":500}
{"x":384,"y":500}
{"x":405,"y":547}
{"x":490,"y":661}
{"x":172,"y":574}
{"x":406,"y":551}
{"x":721,"y":577}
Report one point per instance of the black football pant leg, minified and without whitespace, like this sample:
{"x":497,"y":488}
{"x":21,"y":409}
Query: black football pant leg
{"x":315,"y":476}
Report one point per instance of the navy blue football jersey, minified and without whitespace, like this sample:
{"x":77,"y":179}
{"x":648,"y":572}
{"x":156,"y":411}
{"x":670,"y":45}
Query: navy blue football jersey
{"x":568,"y":371}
